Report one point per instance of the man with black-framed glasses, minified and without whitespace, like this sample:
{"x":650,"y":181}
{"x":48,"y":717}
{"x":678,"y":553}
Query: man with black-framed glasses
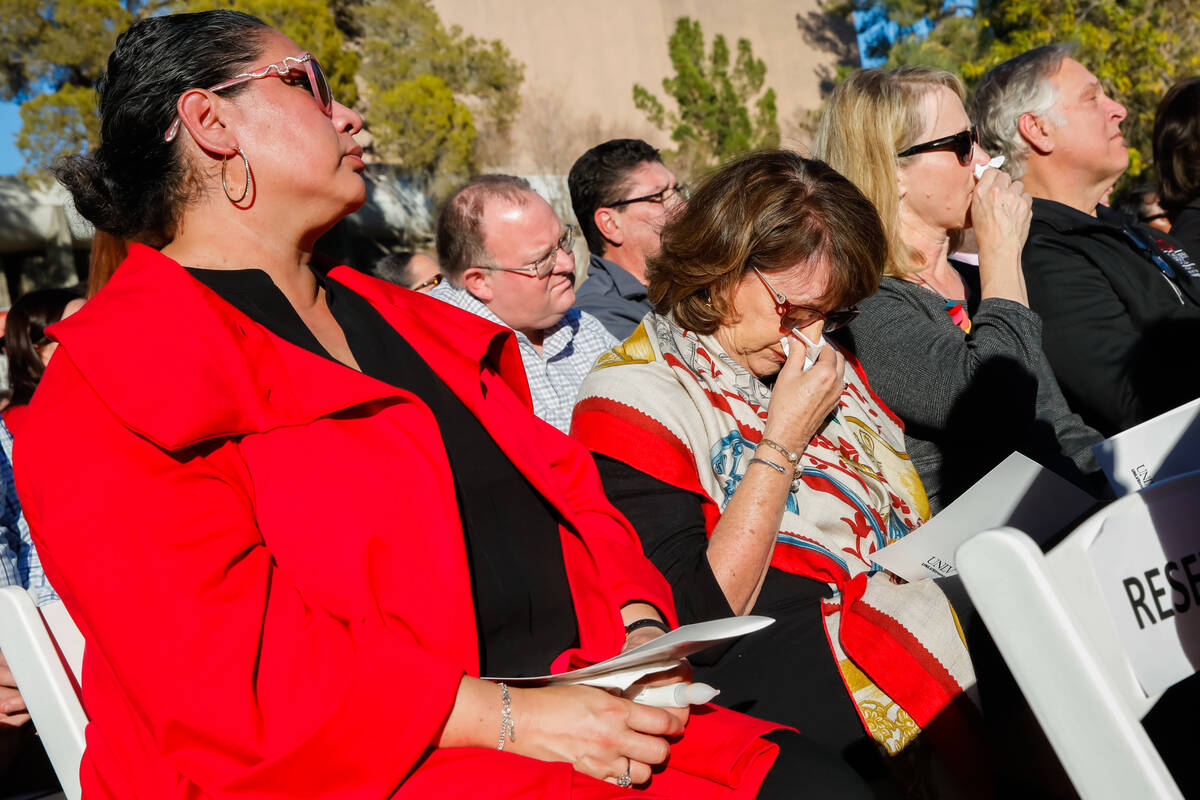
{"x":622,"y":194}
{"x":508,"y":258}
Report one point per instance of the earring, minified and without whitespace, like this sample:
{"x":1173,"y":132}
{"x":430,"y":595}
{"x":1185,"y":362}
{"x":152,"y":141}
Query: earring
{"x":225,"y":186}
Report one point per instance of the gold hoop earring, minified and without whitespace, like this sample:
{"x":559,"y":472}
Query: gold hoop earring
{"x":225,"y":186}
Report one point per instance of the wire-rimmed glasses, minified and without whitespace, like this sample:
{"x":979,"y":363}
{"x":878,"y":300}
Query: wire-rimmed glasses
{"x":544,"y":265}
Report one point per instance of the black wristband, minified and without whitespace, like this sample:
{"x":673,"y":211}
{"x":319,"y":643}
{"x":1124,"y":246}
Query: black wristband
{"x":646,"y":622}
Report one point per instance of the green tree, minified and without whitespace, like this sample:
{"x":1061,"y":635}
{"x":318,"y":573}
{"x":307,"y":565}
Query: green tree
{"x":310,"y":23}
{"x":55,"y":54}
{"x":424,"y":90}
{"x":424,"y":127}
{"x":1137,"y":48}
{"x":425,"y":79}
{"x":711,"y":117}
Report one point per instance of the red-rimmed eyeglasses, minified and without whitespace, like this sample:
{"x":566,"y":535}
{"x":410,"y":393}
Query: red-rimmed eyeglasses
{"x":792,"y":316}
{"x":314,"y":77}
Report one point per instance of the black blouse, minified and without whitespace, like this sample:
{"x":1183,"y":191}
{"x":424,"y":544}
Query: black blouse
{"x":523,"y":608}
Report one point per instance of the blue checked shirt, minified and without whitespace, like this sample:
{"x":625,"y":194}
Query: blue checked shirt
{"x":19,"y":564}
{"x":569,"y":348}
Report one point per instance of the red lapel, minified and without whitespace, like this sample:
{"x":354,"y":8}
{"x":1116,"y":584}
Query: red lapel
{"x":207,"y":369}
{"x":210,"y":372}
{"x":458,"y":345}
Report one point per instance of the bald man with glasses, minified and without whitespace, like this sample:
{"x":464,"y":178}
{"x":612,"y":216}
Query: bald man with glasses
{"x":508,"y":258}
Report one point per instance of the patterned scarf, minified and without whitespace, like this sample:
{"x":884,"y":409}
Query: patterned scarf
{"x":674,"y":405}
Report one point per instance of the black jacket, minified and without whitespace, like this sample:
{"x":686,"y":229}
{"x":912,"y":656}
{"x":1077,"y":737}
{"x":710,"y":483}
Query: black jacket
{"x":1120,"y":334}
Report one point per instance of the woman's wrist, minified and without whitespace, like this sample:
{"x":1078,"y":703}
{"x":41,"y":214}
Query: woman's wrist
{"x":476,"y":716}
{"x":787,"y":440}
{"x":508,"y":731}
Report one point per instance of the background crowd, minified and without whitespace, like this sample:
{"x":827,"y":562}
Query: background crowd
{"x":344,"y":494}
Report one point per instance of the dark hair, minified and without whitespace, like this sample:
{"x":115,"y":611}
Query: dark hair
{"x":460,"y":222}
{"x":1177,"y":145}
{"x":1132,"y":201}
{"x":393,"y":268}
{"x":135,"y":185}
{"x":597,"y":178}
{"x":772,"y":210}
{"x":25,"y":333}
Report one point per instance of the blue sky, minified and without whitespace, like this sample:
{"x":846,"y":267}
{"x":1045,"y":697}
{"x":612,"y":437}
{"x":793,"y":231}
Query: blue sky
{"x":10,"y":123}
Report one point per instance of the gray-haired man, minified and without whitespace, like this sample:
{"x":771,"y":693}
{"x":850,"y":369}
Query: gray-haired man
{"x":1120,"y":302}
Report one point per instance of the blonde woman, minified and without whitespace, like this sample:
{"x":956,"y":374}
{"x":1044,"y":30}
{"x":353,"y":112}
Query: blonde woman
{"x":949,"y":342}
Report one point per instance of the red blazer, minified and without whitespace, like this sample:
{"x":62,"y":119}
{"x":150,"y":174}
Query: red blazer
{"x":14,"y":417}
{"x":263,"y":551}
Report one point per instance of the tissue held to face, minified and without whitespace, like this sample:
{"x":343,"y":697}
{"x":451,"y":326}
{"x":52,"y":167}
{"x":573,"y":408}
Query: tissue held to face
{"x":755,"y":334}
{"x":811,"y":351}
{"x":995,"y":163}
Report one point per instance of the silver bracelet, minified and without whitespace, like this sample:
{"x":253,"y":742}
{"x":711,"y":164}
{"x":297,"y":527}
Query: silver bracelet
{"x":507,"y":729}
{"x":795,"y":475}
{"x":771,"y":464}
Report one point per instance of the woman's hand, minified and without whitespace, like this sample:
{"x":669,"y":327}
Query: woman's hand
{"x":645,"y":635}
{"x":740,"y":547}
{"x":802,"y":400}
{"x":1001,"y":210}
{"x":598,"y":733}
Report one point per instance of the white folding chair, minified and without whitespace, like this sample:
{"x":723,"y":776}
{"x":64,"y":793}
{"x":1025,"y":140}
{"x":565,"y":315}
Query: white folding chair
{"x":1054,"y":628}
{"x":48,"y":677}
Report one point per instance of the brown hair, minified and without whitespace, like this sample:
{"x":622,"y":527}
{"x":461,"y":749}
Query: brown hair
{"x":460,"y":222}
{"x":768,"y":210}
{"x":871,"y":116}
{"x":106,"y":255}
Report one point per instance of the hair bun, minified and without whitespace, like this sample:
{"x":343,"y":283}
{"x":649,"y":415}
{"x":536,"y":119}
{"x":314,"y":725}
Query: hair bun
{"x":84,"y":177}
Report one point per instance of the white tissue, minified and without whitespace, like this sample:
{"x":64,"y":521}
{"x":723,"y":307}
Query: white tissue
{"x":676,"y":695}
{"x":811,"y":350}
{"x":995,"y":163}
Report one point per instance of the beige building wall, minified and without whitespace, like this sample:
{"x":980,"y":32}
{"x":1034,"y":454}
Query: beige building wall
{"x":582,"y":59}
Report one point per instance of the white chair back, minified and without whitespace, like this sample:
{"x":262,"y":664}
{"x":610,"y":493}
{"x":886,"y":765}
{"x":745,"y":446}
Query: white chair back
{"x":1052,"y":620}
{"x":48,"y":677}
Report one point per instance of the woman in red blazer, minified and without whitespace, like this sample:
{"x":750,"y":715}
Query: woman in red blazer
{"x":298,"y":526}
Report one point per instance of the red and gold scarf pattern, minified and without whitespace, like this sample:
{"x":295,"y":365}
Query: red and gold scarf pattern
{"x":672,"y":404}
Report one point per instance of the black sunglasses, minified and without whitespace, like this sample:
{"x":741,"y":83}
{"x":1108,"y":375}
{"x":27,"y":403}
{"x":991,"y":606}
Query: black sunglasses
{"x":962,"y":144}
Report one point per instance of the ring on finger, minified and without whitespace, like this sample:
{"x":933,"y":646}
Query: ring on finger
{"x":623,"y":780}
